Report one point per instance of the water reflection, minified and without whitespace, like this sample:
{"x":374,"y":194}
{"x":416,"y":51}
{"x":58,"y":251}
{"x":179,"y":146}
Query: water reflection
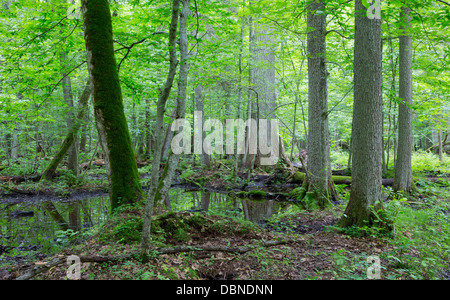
{"x":252,"y":210}
{"x":32,"y":225}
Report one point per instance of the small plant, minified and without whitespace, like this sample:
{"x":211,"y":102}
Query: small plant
{"x":129,"y":232}
{"x":64,"y":237}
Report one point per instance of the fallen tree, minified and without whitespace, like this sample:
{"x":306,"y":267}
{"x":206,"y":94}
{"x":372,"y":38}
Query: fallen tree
{"x":41,"y":267}
{"x":298,"y":177}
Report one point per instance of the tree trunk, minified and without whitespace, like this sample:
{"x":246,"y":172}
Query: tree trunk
{"x":403,"y":173}
{"x":125,"y":187}
{"x":200,"y":121}
{"x":367,"y":118}
{"x":72,"y":160}
{"x":440,"y":147}
{"x":161,"y":104}
{"x":166,"y":179}
{"x":68,"y":141}
{"x":147,"y":130}
{"x":263,"y":84}
{"x":319,"y":165}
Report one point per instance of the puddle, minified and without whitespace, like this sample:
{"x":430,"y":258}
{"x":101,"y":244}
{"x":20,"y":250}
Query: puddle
{"x":38,"y":224}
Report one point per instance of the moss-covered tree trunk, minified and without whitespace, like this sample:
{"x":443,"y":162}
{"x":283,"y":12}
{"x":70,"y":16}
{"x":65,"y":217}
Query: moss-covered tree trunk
{"x":125,"y":187}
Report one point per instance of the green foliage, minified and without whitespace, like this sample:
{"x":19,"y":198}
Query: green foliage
{"x":422,"y":243}
{"x":426,"y":161}
{"x":66,"y":236}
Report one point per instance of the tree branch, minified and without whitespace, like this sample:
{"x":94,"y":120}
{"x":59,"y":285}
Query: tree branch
{"x":132,"y":45}
{"x":59,"y":260}
{"x":446,"y":3}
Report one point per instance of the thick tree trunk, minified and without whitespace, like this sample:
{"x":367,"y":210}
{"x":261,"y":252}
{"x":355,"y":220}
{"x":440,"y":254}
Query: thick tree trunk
{"x":263,"y":84}
{"x":403,"y":173}
{"x":125,"y":187}
{"x":367,"y":121}
{"x":319,"y":165}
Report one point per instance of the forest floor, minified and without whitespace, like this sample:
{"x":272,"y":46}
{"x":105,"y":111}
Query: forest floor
{"x":295,"y":244}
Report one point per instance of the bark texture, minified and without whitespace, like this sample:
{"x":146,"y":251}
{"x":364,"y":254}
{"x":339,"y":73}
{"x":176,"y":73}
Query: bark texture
{"x":319,"y":166}
{"x":262,"y":97}
{"x":161,"y":104}
{"x":367,"y":121}
{"x":115,"y":138}
{"x":72,"y":159}
{"x":403,"y":173}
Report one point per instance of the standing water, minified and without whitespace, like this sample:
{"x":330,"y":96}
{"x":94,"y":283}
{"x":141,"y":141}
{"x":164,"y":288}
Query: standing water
{"x":42,"y":224}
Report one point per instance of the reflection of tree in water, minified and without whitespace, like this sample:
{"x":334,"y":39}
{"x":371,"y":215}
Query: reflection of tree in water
{"x":34,"y":224}
{"x":256,"y":211}
{"x":252,"y":210}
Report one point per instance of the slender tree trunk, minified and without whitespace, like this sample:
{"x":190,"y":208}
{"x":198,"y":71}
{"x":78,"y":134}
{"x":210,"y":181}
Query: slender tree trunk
{"x":72,"y":160}
{"x":403,"y":173}
{"x":161,"y":104}
{"x":367,"y":118}
{"x":440,"y":145}
{"x":147,"y":130}
{"x":169,"y":135}
{"x":199,"y":103}
{"x":166,"y":179}
{"x":124,"y":179}
{"x":319,"y":165}
{"x":238,"y":114}
{"x":68,"y":141}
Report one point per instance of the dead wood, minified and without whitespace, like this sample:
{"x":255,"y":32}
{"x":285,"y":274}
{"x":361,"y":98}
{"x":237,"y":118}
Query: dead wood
{"x":41,"y":267}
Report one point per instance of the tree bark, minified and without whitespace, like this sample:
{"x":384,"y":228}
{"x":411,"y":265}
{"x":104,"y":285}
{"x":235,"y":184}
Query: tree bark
{"x":166,"y":179}
{"x":161,"y":104}
{"x":403,"y":172}
{"x":319,"y":165}
{"x":72,"y":159}
{"x":124,"y":179}
{"x":367,"y":121}
{"x":262,"y":83}
{"x":49,"y":172}
{"x":200,"y":121}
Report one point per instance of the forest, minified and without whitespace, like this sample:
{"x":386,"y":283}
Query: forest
{"x":224,"y":139}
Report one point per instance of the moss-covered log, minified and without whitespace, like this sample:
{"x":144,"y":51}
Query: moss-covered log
{"x":337,"y":179}
{"x":125,"y":187}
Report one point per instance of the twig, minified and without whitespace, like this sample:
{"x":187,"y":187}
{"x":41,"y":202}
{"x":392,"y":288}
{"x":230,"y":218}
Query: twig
{"x":59,"y":260}
{"x":444,"y":2}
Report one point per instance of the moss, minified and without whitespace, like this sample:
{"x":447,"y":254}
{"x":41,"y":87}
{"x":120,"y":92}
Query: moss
{"x":257,"y":193}
{"x":108,"y":104}
{"x":298,"y":177}
{"x":127,"y":231}
{"x":251,"y":194}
